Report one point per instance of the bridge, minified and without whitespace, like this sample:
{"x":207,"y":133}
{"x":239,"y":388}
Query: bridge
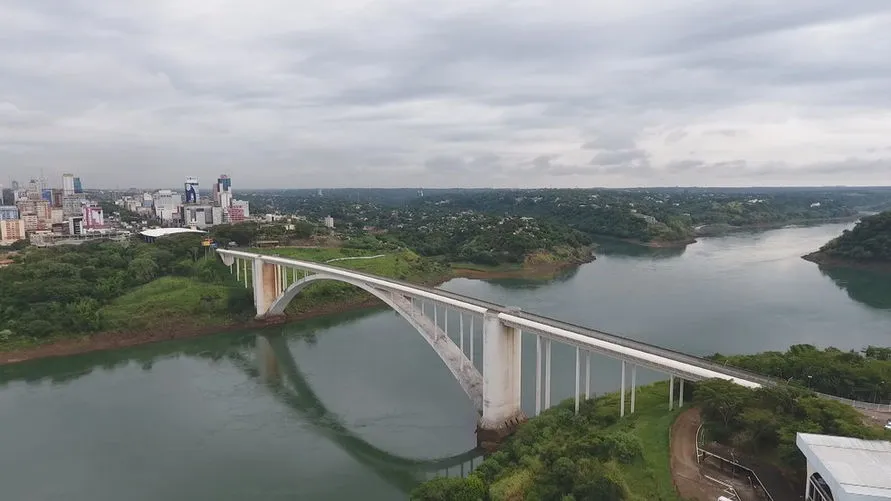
{"x":495,"y":390}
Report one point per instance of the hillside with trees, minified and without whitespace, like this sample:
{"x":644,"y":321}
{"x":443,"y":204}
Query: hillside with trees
{"x":868,"y":242}
{"x":862,"y":375}
{"x":65,"y":291}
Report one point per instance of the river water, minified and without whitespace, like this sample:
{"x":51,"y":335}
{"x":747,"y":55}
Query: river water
{"x":366,"y":408}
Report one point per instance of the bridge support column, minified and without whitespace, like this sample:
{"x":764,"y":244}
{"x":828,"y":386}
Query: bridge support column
{"x":265,"y":281}
{"x":501,"y":382}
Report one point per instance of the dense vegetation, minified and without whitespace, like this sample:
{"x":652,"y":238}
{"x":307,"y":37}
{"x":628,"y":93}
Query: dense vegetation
{"x":657,"y":216}
{"x":563,"y":456}
{"x":68,"y":290}
{"x":109,"y":286}
{"x":490,"y":240}
{"x":764,"y":422}
{"x":868,"y":241}
{"x":860,"y":376}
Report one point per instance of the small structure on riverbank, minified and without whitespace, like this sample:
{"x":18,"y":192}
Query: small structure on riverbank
{"x":846,"y":469}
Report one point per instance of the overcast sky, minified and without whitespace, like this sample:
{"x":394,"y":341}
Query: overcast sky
{"x":285,"y":93}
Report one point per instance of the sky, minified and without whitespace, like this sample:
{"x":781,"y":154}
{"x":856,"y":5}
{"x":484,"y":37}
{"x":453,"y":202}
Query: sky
{"x":461,"y":93}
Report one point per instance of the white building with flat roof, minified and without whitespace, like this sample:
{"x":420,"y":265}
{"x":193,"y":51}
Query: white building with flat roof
{"x":846,"y":469}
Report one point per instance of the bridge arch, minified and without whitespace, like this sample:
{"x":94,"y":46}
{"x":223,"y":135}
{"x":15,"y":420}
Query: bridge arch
{"x":452,"y":356}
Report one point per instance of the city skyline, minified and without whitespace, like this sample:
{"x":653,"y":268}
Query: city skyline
{"x":463,"y":94}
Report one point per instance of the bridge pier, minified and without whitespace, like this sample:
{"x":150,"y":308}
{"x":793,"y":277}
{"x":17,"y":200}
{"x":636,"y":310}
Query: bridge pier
{"x":501,"y":382}
{"x":266,"y":286}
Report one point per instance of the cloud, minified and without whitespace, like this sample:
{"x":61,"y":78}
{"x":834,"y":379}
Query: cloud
{"x":464,"y":93}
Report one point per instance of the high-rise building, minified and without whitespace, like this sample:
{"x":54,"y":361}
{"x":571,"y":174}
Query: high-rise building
{"x":67,"y":184}
{"x":191,"y":188}
{"x":78,"y":187}
{"x":222,"y":191}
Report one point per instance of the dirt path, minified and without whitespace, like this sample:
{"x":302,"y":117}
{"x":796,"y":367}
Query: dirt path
{"x":685,"y":473}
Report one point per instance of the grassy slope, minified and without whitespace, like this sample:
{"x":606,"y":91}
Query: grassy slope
{"x":166,"y":299}
{"x":648,"y":478}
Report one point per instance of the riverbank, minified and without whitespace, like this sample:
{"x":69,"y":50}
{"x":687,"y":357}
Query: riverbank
{"x":166,"y":330}
{"x":183,"y":324}
{"x":538,"y":266}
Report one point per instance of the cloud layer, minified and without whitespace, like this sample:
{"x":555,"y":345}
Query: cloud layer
{"x":465,"y":93}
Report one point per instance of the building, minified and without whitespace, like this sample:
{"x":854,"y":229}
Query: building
{"x":245,"y":207}
{"x":93,"y":217}
{"x":846,"y":469}
{"x":39,"y":208}
{"x":75,"y":225}
{"x":11,"y":230}
{"x":78,"y":187}
{"x":71,"y":205}
{"x":58,"y":215}
{"x":201,"y":216}
{"x":329,"y":222}
{"x":233,"y":215}
{"x":58,"y":197}
{"x":191,"y":190}
{"x":222,"y":191}
{"x":166,"y":204}
{"x":68,"y":185}
{"x":8,"y":212}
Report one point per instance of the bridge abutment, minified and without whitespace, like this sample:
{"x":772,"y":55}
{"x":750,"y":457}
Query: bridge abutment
{"x":502,"y":364}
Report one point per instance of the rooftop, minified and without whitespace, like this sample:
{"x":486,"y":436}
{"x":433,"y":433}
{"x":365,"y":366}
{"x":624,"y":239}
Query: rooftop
{"x":163,"y":232}
{"x":859,"y":466}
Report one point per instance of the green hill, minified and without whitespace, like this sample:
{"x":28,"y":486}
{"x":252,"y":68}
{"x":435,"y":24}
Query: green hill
{"x":868,"y":242}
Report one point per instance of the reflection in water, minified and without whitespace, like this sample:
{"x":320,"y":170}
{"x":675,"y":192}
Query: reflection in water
{"x":274,"y":360}
{"x":619,"y":249}
{"x":266,"y":358}
{"x":862,"y":285}
{"x":564,"y":275}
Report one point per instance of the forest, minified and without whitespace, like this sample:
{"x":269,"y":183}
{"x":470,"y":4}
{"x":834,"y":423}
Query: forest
{"x":868,"y":241}
{"x":864,"y":375}
{"x":62,"y":290}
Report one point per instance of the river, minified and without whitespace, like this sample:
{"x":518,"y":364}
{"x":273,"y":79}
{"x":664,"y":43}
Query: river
{"x":374,"y":406}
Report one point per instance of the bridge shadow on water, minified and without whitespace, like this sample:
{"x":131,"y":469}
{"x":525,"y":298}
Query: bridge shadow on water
{"x":275,"y":366}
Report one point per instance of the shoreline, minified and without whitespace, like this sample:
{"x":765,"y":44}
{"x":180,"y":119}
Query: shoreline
{"x":112,"y":340}
{"x":184,"y":329}
{"x":721,"y":230}
{"x":822,"y":260}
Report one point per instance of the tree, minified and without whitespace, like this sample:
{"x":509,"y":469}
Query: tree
{"x":451,"y":489}
{"x":721,"y":400}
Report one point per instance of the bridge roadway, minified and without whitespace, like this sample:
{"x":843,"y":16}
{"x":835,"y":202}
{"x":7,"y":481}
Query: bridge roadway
{"x":660,"y":359}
